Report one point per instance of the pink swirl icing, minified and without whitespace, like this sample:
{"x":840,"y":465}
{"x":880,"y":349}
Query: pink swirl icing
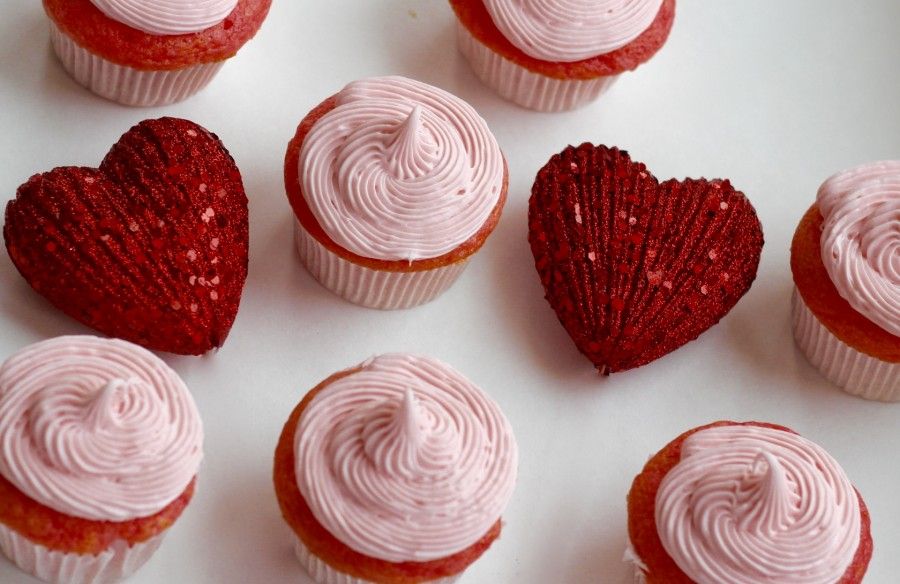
{"x":405,"y":460}
{"x":167,"y":17}
{"x":96,"y":428}
{"x":750,"y":505}
{"x":564,"y":31}
{"x":861,"y":239}
{"x":400,"y":170}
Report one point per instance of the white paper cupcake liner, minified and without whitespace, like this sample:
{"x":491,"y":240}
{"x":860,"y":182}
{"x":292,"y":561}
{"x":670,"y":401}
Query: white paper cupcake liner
{"x":631,"y":557}
{"x":368,"y":287}
{"x":112,"y":565}
{"x":127,"y":85}
{"x":524,"y":87}
{"x":322,"y":573}
{"x":857,"y":373}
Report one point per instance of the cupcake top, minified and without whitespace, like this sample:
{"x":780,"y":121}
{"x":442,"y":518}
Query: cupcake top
{"x":400,"y":170}
{"x":861,"y":239}
{"x":167,"y":17}
{"x":750,"y":504}
{"x":405,"y":460}
{"x":566,"y":31}
{"x":96,"y":428}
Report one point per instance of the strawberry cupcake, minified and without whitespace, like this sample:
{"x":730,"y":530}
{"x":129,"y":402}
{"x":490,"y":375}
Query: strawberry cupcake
{"x":845,"y":259}
{"x":394,"y":184}
{"x":149,"y":52}
{"x":101,"y":444}
{"x":746,"y":502}
{"x":555,"y":55}
{"x":395,"y":471}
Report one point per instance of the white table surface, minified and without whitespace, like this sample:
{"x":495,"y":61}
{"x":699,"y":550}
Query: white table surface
{"x":773,"y":94}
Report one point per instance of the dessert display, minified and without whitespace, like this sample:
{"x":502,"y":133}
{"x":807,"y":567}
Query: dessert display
{"x":555,"y":55}
{"x":399,"y":470}
{"x":150,"y":247}
{"x":845,"y":258}
{"x":746,"y":502}
{"x":635,"y":268}
{"x":395,"y":471}
{"x":395,"y":184}
{"x":101,"y":444}
{"x":149,"y":52}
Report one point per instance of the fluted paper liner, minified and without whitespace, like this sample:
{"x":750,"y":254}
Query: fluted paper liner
{"x":127,"y":85}
{"x":112,"y":565}
{"x":523,"y":86}
{"x":630,"y":557}
{"x":373,"y":288}
{"x":322,"y":573}
{"x":855,"y":372}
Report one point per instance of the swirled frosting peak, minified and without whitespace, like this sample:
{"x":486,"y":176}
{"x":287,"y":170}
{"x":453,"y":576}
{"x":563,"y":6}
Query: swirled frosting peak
{"x":400,"y":170}
{"x":765,"y":498}
{"x":95,"y":428}
{"x":751,"y":505}
{"x":167,"y":17}
{"x":407,"y":440}
{"x":405,"y":460}
{"x":410,"y":152}
{"x":564,"y":31}
{"x":861,"y":239}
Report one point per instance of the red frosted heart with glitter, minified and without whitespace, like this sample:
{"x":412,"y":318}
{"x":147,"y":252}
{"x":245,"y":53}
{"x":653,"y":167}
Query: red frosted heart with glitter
{"x":150,"y":247}
{"x":635,"y":268}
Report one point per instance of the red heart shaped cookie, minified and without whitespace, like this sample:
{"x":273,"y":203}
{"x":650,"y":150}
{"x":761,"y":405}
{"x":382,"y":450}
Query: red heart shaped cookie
{"x":150,"y":247}
{"x":635,"y":268}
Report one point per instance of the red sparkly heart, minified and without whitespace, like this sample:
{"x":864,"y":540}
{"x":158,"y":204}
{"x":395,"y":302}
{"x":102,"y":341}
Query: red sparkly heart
{"x":150,"y":247}
{"x":635,"y":268}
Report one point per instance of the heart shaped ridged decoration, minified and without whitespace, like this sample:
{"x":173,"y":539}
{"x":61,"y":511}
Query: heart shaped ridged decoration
{"x":635,"y":268}
{"x":150,"y":247}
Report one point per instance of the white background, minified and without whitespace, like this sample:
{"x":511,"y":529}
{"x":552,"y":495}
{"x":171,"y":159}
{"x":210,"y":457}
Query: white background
{"x":775,"y":95}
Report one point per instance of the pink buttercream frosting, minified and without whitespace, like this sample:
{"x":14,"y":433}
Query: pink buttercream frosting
{"x":167,"y":17}
{"x":400,"y":170}
{"x":751,"y":505}
{"x":96,"y":428}
{"x":405,"y":459}
{"x":564,"y":31}
{"x":861,"y":239}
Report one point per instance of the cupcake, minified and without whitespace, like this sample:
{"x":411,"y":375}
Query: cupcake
{"x":395,"y":471}
{"x":394,"y":184}
{"x":746,"y":502}
{"x":555,"y":55}
{"x":635,"y":267}
{"x":101,"y":443}
{"x":149,"y":52}
{"x":845,"y":258}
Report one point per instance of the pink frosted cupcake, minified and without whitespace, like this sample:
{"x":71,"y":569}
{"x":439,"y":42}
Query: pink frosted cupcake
{"x":150,"y":52}
{"x":554,"y":55}
{"x":395,"y":185}
{"x":746,"y":502}
{"x":845,"y":259}
{"x":101,"y":444}
{"x":395,"y":471}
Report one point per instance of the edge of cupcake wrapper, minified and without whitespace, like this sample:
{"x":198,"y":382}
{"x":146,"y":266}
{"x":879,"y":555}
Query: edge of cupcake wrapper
{"x":127,"y":85}
{"x":112,"y":565}
{"x":630,"y":556}
{"x":525,"y":87}
{"x":322,"y":573}
{"x":368,"y":287}
{"x":855,"y":372}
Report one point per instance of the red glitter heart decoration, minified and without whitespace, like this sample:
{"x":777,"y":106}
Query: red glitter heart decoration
{"x":150,"y":247}
{"x":635,"y":268}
